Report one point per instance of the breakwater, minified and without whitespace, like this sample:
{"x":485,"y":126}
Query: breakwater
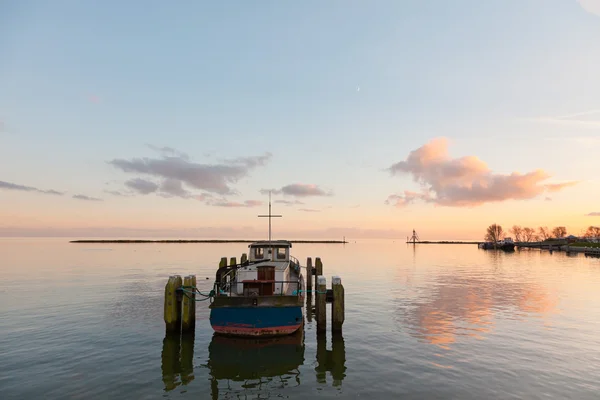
{"x":195,"y":241}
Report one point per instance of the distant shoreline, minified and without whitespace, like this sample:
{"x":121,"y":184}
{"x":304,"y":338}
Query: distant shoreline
{"x":197,"y":241}
{"x":443,"y":242}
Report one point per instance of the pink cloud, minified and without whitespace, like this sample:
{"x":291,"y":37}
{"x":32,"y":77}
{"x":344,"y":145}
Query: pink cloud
{"x":465,"y":181}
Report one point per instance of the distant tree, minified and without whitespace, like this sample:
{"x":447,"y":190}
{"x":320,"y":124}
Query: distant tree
{"x":559,"y":232}
{"x":518,"y":232}
{"x":592,"y":232}
{"x":529,"y":234}
{"x":544,"y":233}
{"x":494,"y":233}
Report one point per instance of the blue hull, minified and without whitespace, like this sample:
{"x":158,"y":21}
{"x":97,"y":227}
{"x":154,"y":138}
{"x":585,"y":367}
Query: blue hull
{"x":256,"y":321}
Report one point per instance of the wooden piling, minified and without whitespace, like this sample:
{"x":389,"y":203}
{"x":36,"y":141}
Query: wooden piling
{"x":188,"y":306}
{"x":172,"y":310}
{"x":243,"y":258}
{"x":309,"y":276}
{"x":318,"y":268}
{"x":232,"y":261}
{"x":223,"y":262}
{"x":321,"y":309}
{"x":337,"y":306}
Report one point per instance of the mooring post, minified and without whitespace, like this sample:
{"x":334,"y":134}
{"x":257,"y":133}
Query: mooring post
{"x":173,"y":304}
{"x":188,"y":306}
{"x":337,"y":306}
{"x":232,"y":261}
{"x":223,"y":262}
{"x":321,"y":309}
{"x":309,"y":276}
{"x":318,"y":269}
{"x":243,"y":258}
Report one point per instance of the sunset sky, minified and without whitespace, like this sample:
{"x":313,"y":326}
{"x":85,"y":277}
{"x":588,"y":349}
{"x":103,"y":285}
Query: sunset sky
{"x":365,"y":118}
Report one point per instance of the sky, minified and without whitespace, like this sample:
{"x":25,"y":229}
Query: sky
{"x":363,"y":119}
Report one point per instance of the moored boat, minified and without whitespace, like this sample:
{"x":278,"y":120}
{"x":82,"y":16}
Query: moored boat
{"x":506,"y":244}
{"x":263,"y":296}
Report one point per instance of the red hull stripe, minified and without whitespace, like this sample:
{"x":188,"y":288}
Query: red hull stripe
{"x":238,"y":330}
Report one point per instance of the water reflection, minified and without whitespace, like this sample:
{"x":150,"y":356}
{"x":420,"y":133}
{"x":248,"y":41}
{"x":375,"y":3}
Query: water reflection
{"x":333,"y":361}
{"x":466,"y":304}
{"x":177,"y":360}
{"x":255,"y":366}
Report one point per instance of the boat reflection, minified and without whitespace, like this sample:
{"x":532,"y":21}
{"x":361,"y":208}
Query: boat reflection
{"x":177,"y":360}
{"x":260,"y":365}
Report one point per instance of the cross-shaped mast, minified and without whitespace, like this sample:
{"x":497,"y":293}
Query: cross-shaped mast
{"x":270,"y":216}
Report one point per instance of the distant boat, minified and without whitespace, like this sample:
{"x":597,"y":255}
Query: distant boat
{"x":506,"y":244}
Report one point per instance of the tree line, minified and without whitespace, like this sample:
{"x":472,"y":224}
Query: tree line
{"x":495,"y":233}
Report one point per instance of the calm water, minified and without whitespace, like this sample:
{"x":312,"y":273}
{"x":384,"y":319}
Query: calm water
{"x":84,"y":321}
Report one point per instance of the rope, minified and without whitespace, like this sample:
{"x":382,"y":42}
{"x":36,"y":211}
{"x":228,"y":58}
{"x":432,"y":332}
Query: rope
{"x":295,"y":292}
{"x":188,"y":293}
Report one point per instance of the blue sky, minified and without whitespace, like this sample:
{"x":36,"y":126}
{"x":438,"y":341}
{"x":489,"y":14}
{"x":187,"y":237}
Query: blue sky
{"x":336,"y":91}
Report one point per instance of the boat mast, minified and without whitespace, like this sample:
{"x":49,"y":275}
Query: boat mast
{"x":270,"y":216}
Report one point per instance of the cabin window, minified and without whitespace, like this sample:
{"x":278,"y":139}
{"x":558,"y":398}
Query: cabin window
{"x":259,"y":253}
{"x":281,"y":253}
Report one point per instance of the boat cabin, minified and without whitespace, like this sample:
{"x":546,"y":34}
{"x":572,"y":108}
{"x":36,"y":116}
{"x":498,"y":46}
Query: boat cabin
{"x":268,"y":272}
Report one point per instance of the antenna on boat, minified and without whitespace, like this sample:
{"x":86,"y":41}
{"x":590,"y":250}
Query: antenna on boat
{"x":270,"y":216}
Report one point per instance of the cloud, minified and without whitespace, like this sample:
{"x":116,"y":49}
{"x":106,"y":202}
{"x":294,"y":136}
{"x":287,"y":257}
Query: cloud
{"x":308,"y":210}
{"x":298,"y":190}
{"x":588,"y":118}
{"x":173,"y":187}
{"x":247,"y":203}
{"x":251,"y":162}
{"x":86,"y":198}
{"x":465,"y":181}
{"x":166,"y":151}
{"x":23,"y":188}
{"x":117,"y":193}
{"x":142,"y":186}
{"x":591,"y":6}
{"x":289,"y":202}
{"x":214,"y":178}
{"x":548,"y":198}
{"x":593,"y":214}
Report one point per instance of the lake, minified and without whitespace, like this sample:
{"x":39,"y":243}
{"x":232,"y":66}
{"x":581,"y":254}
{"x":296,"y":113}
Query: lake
{"x":82,"y":321}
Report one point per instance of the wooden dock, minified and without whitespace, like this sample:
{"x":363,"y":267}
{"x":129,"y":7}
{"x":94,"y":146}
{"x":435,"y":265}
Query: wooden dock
{"x":560,"y":245}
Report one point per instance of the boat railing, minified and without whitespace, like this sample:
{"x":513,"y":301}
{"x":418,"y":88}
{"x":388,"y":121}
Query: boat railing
{"x":295,"y":263}
{"x":227,"y":286}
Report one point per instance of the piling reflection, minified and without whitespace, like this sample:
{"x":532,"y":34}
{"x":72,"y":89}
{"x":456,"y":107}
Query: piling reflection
{"x":332,"y":361}
{"x":255,"y":367}
{"x":177,"y":360}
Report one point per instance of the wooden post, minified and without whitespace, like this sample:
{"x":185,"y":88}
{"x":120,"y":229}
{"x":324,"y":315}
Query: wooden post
{"x":337,"y":306}
{"x":309,"y":276}
{"x":244,"y":258}
{"x":223,"y":262}
{"x":173,"y":304}
{"x":188,"y":314}
{"x":232,"y":261}
{"x":321,"y":309}
{"x":319,"y":269}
